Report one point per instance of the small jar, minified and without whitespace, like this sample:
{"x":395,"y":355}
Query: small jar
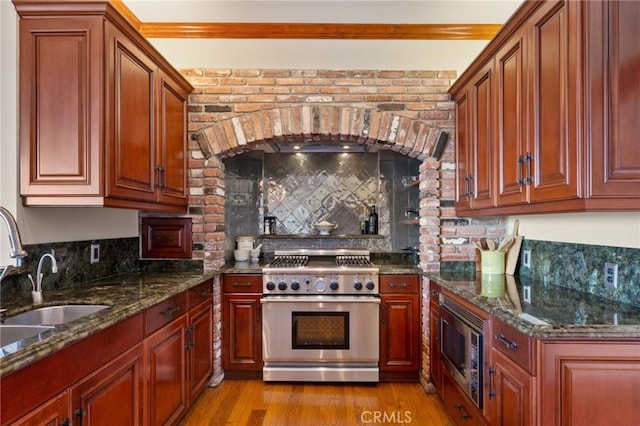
{"x":244,"y":243}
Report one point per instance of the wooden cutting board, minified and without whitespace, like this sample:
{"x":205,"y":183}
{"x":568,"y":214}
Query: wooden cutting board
{"x":514,"y":250}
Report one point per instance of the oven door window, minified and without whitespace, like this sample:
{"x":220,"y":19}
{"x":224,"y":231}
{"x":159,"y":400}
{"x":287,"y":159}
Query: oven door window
{"x":320,"y":330}
{"x":453,"y":345}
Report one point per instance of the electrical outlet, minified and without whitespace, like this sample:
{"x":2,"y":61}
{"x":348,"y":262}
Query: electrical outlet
{"x":95,"y":253}
{"x":611,"y":275}
{"x":526,"y":294}
{"x":526,"y":258}
{"x":60,"y":254}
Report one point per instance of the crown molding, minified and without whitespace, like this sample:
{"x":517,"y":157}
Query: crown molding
{"x":273,"y":30}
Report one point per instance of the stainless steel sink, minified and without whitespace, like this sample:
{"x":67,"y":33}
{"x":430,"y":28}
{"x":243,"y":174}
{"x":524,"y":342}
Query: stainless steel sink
{"x":14,"y":333}
{"x":52,"y":315}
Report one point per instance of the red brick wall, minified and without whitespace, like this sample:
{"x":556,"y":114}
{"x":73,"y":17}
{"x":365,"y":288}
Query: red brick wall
{"x":231,"y":110}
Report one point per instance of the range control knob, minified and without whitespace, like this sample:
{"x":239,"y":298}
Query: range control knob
{"x":357,"y":285}
{"x":370,"y":285}
{"x":295,"y":285}
{"x":282,"y":285}
{"x":334,"y":285}
{"x":271,"y":285}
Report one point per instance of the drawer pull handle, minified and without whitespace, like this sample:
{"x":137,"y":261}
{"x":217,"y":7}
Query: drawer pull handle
{"x":205,"y":293}
{"x":510,"y":345}
{"x":242,"y":284}
{"x":404,"y":285}
{"x":170,"y":311}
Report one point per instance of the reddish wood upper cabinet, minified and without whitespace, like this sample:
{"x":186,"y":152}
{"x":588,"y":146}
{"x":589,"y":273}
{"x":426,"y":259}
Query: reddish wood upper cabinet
{"x":102,"y":114}
{"x":166,"y":237}
{"x":399,"y":327}
{"x":612,"y":101}
{"x":475,"y":142}
{"x":555,"y":124}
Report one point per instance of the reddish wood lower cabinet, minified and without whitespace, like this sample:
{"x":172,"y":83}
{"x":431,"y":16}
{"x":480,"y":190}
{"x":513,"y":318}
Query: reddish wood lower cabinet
{"x":590,"y":383}
{"x":167,"y":373}
{"x":54,"y":412}
{"x":511,"y":393}
{"x":242,"y":326}
{"x":113,"y":394}
{"x":458,"y":405}
{"x":117,"y":376}
{"x":435,"y":366}
{"x":200,"y":355}
{"x":399,"y":327}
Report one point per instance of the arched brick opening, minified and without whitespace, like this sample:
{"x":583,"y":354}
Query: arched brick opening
{"x":235,"y":135}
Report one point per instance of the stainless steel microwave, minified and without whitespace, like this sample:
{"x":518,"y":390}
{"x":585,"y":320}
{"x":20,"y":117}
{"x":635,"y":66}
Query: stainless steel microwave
{"x":461,"y":348}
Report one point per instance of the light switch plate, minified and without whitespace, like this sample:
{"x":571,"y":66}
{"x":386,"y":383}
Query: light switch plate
{"x":95,"y":253}
{"x":526,"y":258}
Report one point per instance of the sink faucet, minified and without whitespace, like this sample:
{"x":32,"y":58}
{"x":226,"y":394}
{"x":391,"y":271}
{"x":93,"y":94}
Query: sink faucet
{"x":36,"y":294}
{"x":17,"y":252}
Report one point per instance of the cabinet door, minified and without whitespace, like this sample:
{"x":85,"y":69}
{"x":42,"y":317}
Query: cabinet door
{"x":60,"y":107}
{"x":482,"y":158}
{"x":113,"y":394}
{"x":613,"y":86}
{"x":54,"y":412}
{"x":200,"y":347}
{"x":511,"y":393}
{"x":435,"y":367}
{"x":590,"y":383}
{"x":399,"y":337}
{"x":167,"y":373}
{"x":511,"y":121}
{"x":171,"y":158}
{"x":553,"y":103}
{"x":242,"y":333}
{"x":463,"y":150}
{"x":131,"y":131}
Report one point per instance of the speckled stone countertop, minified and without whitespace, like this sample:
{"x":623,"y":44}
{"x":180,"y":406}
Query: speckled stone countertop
{"x":545,"y":311}
{"x":126,"y":295}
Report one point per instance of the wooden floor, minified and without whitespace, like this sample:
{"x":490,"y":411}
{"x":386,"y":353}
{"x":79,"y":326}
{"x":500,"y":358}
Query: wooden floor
{"x":253,"y":402}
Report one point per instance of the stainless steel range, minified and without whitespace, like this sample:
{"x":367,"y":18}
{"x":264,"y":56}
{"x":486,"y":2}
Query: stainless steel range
{"x":320,"y":311}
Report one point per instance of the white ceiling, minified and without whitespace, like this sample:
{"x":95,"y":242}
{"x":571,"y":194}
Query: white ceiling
{"x":325,"y":11}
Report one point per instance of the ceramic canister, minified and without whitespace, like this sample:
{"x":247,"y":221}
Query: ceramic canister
{"x":244,"y":243}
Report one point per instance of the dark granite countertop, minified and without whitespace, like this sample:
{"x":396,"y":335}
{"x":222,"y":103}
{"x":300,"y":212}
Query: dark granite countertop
{"x":126,"y":295}
{"x":544,"y":311}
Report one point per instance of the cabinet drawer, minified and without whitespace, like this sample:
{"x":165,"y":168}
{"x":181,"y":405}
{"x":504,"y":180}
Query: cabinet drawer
{"x":393,"y":284}
{"x":165,"y":312}
{"x":200,"y":293}
{"x":458,"y":406}
{"x":516,"y":345}
{"x":242,"y":283}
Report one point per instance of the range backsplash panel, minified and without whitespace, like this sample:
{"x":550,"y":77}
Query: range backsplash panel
{"x":302,"y":189}
{"x":581,"y":267}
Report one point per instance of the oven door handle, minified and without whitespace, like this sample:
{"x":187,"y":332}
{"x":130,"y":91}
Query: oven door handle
{"x":319,"y":299}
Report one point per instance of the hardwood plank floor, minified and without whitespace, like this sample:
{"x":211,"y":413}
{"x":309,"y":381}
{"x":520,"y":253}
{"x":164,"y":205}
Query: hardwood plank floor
{"x":255,"y":403}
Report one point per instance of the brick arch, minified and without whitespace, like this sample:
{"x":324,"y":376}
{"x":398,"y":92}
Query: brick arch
{"x":300,"y":124}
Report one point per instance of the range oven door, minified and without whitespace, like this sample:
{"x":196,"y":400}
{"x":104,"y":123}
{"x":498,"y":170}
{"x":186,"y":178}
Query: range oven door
{"x":320,"y":338}
{"x":461,"y":353}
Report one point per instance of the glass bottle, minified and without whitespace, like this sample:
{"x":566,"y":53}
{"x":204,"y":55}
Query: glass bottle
{"x":373,"y":221}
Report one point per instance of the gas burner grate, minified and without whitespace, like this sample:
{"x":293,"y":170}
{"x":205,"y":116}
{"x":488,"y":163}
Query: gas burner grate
{"x":353,"y":261}
{"x":290,"y":261}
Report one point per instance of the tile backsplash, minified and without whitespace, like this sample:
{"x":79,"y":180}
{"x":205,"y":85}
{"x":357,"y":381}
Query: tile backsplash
{"x":581,"y":267}
{"x":302,"y":189}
